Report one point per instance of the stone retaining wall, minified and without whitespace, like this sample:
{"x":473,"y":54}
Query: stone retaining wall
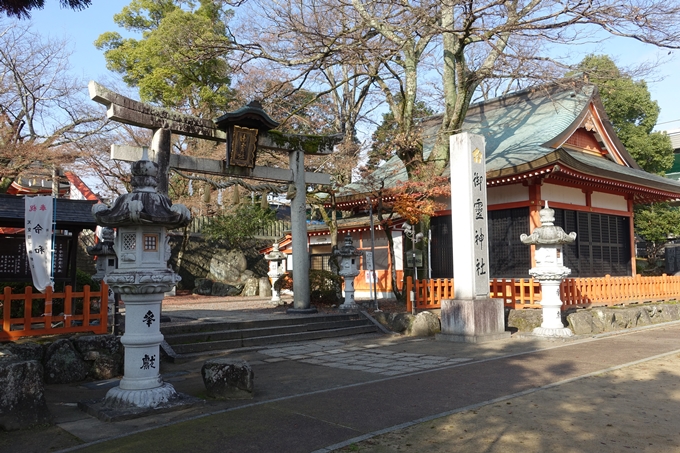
{"x":599,"y":319}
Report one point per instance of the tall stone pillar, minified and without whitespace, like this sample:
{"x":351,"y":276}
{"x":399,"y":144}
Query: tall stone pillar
{"x":471,"y":316}
{"x":298,"y":218}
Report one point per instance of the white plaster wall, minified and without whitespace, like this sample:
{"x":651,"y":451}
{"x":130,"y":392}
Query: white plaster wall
{"x":608,"y":201}
{"x":562,"y":194}
{"x":506,"y":194}
{"x":398,"y":240}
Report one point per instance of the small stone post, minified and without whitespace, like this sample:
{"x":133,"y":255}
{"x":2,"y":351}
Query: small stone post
{"x":277,"y":269}
{"x":142,"y":278}
{"x":349,"y":268}
{"x":549,"y":271}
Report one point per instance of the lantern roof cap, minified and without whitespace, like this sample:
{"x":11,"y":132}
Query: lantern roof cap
{"x":548,"y":233}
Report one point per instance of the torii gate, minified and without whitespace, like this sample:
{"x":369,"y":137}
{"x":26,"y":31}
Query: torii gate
{"x":245,"y":130}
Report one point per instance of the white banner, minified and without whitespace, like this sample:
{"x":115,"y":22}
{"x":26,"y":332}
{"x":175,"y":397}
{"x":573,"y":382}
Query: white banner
{"x":38,"y":224}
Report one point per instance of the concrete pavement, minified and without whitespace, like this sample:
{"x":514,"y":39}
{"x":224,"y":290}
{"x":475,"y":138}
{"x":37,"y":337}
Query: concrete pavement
{"x":319,"y":396}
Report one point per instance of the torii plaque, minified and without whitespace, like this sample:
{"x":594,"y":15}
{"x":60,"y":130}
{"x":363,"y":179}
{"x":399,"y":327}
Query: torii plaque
{"x":164,"y":122}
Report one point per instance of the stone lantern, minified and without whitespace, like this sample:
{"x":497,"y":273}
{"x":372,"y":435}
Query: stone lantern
{"x":142,"y":278}
{"x":549,"y":271}
{"x":277,"y":269}
{"x":106,"y":262}
{"x":349,"y":268}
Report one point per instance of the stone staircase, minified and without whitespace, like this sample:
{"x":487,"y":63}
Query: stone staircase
{"x":210,"y":337}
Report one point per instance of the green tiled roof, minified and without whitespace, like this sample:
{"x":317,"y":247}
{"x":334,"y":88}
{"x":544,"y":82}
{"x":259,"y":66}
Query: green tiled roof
{"x":516,"y":127}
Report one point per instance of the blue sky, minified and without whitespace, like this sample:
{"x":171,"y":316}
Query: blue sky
{"x":83,"y":27}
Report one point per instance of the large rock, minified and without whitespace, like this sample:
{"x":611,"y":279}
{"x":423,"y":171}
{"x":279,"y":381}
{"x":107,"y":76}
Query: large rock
{"x":23,"y":351}
{"x":102,"y":353}
{"x":605,"y":319}
{"x":525,"y":320}
{"x":581,"y":322}
{"x":226,"y":378}
{"x":425,"y":324}
{"x":663,"y":312}
{"x":227,"y":266}
{"x":265,"y":290}
{"x":63,"y":364}
{"x":223,"y":289}
{"x":22,"y":394}
{"x":203,"y":286}
{"x":251,"y":287}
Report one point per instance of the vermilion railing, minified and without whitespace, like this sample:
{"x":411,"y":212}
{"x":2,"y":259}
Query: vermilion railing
{"x":84,"y":311}
{"x":574,"y":292}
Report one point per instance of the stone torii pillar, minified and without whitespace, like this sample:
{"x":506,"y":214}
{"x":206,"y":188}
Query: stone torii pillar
{"x":245,"y":131}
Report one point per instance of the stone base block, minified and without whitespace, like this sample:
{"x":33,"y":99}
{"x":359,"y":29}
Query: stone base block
{"x":302,"y":311}
{"x":226,"y":378}
{"x":106,"y":413}
{"x":472,"y":338}
{"x":472,"y":320}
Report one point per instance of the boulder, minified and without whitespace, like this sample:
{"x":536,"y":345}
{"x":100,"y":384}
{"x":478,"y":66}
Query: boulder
{"x":203,"y":286}
{"x":251,"y":287}
{"x":223,"y":289}
{"x":24,"y":351}
{"x":581,"y":322}
{"x":227,"y":266}
{"x":425,"y":324}
{"x":102,"y":353}
{"x":265,"y":289}
{"x":525,"y":320}
{"x":663,"y":313}
{"x":22,"y":394}
{"x":226,"y":378}
{"x":63,"y":364}
{"x":400,"y":322}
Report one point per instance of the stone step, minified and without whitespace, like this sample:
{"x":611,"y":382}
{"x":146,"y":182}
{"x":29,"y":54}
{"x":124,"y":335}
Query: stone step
{"x":272,"y":339}
{"x":207,"y":326}
{"x":232,"y":333}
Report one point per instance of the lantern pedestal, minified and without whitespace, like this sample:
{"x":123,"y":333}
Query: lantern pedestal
{"x":552,"y":309}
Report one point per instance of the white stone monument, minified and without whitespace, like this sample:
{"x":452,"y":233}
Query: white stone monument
{"x":550,"y":271}
{"x":471,"y":316}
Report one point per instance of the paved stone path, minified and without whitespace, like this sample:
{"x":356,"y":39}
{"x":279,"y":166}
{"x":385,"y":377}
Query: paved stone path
{"x":370,"y":358}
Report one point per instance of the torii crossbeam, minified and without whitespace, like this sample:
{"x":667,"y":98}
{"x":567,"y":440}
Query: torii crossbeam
{"x":165,"y":122}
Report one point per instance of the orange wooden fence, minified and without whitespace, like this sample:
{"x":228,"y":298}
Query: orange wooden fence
{"x":574,"y":292}
{"x":84,"y":311}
